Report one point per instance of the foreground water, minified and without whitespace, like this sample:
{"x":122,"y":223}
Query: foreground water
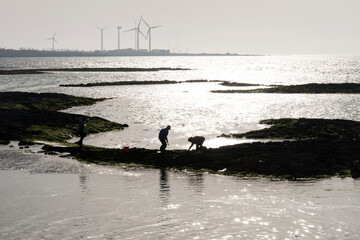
{"x":44,"y":197}
{"x":48,"y":197}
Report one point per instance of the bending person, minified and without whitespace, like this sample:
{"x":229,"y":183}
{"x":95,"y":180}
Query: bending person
{"x":197,"y":140}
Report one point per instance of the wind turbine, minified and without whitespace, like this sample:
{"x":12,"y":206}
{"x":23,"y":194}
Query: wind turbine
{"x":102,"y":36}
{"x":137,"y":31}
{"x":53,"y":41}
{"x":149,"y":33}
{"x":119,"y":27}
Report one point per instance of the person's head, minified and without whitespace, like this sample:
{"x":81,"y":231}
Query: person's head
{"x":168,"y":127}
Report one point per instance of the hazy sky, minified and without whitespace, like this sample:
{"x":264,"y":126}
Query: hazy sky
{"x":235,"y":26}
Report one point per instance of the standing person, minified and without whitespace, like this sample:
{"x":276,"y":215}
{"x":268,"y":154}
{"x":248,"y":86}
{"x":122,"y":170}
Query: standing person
{"x":163,"y":137}
{"x":82,"y":130}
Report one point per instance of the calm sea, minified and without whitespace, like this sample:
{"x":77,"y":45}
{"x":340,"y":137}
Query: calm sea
{"x":59,"y":198}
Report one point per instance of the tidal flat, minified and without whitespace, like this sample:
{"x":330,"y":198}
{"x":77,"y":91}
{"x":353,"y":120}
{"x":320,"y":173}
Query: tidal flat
{"x":318,"y":153}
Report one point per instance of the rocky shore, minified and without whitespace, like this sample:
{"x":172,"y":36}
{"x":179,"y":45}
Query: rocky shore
{"x":34,"y":116}
{"x":314,"y":148}
{"x":303,"y":88}
{"x":118,"y":83}
{"x":304,"y":129}
{"x":280,"y":160}
{"x":122,"y":83}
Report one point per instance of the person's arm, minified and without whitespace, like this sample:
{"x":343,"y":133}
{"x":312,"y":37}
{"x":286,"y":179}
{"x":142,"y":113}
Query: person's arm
{"x":192,"y":144}
{"x":166,"y":139}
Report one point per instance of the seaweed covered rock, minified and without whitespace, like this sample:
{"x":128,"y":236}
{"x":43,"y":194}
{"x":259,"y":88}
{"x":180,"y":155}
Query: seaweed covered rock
{"x":304,"y":128}
{"x":310,"y":88}
{"x":289,"y":159}
{"x":34,"y":116}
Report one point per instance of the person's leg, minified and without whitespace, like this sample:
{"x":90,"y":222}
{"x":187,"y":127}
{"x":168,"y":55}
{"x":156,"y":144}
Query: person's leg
{"x":163,"y":146}
{"x":81,"y":140}
{"x":201,"y":143}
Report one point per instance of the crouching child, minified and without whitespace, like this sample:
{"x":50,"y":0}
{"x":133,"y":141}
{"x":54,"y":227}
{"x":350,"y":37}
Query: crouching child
{"x":198,"y":141}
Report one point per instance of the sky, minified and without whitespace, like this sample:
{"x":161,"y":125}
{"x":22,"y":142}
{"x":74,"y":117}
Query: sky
{"x":187,"y":26}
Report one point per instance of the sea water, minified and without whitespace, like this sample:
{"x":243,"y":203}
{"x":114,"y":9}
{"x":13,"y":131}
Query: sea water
{"x":47,"y":197}
{"x":191,"y":108}
{"x":58,"y":198}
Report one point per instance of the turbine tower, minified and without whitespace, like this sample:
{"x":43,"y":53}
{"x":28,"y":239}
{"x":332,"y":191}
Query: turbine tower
{"x":149,"y":33}
{"x":53,"y":41}
{"x":119,"y":27}
{"x":137,"y":31}
{"x":102,"y":36}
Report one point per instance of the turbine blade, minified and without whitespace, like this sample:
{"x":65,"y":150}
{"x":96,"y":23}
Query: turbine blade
{"x":157,"y":26}
{"x":146,"y":23}
{"x":141,"y":18}
{"x":131,"y":30}
{"x":54,"y":35}
{"x":142,"y":34}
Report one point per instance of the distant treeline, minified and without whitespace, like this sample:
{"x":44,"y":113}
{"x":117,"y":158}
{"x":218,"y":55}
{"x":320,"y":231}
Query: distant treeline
{"x":122,"y":52}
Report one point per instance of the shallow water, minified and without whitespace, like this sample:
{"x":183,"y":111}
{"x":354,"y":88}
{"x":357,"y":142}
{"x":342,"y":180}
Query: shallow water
{"x":49,"y":197}
{"x":58,"y":198}
{"x":190,"y":108}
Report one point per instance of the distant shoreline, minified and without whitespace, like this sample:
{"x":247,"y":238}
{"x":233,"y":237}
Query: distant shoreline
{"x":49,"y":70}
{"x":107,"y":53}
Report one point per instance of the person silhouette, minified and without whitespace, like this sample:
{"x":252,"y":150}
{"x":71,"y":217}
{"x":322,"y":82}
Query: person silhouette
{"x":82,"y":130}
{"x":163,"y":137}
{"x":197,"y":140}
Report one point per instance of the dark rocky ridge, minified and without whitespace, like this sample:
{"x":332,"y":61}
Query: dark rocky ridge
{"x":303,"y":88}
{"x":122,"y":83}
{"x":304,"y":129}
{"x":289,"y":159}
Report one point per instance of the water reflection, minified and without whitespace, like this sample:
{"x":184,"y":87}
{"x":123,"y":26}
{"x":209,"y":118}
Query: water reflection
{"x":83,"y":180}
{"x":196,"y":183}
{"x":164,"y":188}
{"x":164,"y":195}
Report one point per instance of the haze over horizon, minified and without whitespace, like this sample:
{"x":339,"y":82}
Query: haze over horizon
{"x":211,"y":26}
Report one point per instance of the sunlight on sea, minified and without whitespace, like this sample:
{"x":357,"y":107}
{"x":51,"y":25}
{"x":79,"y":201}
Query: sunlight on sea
{"x":190,"y":108}
{"x":48,"y":197}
